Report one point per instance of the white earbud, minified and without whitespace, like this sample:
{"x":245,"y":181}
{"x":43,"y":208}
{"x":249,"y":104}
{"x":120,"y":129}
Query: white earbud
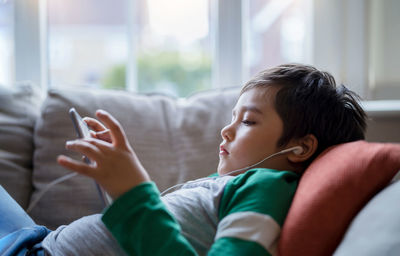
{"x":297,"y":150}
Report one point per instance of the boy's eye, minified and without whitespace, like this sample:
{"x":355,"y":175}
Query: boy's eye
{"x":247,"y":122}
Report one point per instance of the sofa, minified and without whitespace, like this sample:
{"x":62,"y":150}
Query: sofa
{"x":177,"y":140}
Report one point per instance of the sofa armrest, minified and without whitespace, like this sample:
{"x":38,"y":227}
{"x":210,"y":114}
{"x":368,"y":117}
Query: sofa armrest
{"x":19,"y":108}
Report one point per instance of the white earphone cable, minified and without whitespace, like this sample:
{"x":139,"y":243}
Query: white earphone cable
{"x":107,"y":201}
{"x":103,"y":195}
{"x":296,"y":148}
{"x":49,"y":186}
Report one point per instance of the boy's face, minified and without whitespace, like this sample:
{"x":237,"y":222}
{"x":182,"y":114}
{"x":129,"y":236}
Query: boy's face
{"x":253,"y":133}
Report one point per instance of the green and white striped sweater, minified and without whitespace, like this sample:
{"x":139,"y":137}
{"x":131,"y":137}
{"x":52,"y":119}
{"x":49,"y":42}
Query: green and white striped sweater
{"x":229,"y":215}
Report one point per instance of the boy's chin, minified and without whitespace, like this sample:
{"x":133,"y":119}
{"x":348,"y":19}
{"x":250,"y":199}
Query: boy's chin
{"x":224,"y":167}
{"x":221,"y":170}
{"x":224,"y":170}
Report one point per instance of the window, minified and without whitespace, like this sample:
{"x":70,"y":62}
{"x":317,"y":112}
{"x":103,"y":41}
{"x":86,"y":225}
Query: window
{"x":179,"y":47}
{"x":174,"y":46}
{"x":384,"y":53}
{"x":168,"y":43}
{"x":6,"y":43}
{"x":277,"y":31}
{"x":87,"y":43}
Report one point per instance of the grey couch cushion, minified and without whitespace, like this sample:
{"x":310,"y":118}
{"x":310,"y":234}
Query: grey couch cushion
{"x":176,"y":140}
{"x":376,"y":229}
{"x":19,"y":108}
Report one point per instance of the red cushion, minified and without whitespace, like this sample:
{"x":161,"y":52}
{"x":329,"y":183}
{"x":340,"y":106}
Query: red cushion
{"x":332,"y":191}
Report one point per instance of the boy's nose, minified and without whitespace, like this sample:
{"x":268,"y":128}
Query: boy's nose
{"x":227,"y":132}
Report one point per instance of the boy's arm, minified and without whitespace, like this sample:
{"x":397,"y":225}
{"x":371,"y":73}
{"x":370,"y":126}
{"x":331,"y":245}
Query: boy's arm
{"x":142,"y":225}
{"x":249,"y":226}
{"x":138,"y":219}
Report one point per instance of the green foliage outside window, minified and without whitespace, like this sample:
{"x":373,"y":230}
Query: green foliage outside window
{"x":170,"y":72}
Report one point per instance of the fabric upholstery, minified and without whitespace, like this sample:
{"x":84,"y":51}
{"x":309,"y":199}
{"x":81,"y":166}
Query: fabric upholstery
{"x":19,"y":108}
{"x":175,"y":139}
{"x":376,"y":229}
{"x":333,"y":189}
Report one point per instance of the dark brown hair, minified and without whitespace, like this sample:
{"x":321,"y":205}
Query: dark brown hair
{"x":309,"y":102}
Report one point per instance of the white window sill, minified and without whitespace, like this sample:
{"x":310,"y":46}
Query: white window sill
{"x":382,"y":108}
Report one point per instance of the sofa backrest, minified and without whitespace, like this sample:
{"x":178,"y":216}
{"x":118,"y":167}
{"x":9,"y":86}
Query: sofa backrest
{"x":175,"y":139}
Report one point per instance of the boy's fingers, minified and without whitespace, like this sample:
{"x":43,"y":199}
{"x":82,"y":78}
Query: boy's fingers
{"x":117,"y":133}
{"x":102,"y":145}
{"x":104,"y":135}
{"x":94,"y":124}
{"x":74,"y":165}
{"x":93,"y":134}
{"x":84,"y":148}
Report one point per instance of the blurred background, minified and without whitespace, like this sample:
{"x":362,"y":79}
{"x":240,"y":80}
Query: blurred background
{"x":179,"y":47}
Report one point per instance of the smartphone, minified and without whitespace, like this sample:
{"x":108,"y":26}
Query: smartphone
{"x":83,"y":131}
{"x":80,"y":126}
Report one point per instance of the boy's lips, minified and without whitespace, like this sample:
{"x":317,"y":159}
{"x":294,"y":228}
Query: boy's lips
{"x":223,"y":151}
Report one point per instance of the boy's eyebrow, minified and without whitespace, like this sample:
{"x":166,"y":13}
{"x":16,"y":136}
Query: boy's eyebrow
{"x":250,"y":108}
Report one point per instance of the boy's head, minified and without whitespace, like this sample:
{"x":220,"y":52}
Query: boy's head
{"x":289,"y":105}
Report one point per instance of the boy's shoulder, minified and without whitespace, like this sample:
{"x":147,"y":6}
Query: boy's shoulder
{"x":265,"y":191}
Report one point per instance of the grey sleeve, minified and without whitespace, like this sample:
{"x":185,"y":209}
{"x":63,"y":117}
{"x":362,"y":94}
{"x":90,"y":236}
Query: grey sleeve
{"x":85,"y":236}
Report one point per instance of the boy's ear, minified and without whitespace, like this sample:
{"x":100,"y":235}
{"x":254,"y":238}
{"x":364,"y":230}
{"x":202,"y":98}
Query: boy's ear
{"x":309,"y":143}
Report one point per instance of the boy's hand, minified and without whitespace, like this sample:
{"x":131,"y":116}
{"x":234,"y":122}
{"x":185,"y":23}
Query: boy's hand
{"x":114,"y":166}
{"x":99,"y":131}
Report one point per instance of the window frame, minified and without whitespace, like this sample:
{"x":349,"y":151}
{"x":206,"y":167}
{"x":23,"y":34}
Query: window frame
{"x":30,"y":42}
{"x":337,"y":43}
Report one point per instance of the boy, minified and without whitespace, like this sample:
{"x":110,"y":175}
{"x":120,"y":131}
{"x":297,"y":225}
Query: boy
{"x":286,"y":115}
